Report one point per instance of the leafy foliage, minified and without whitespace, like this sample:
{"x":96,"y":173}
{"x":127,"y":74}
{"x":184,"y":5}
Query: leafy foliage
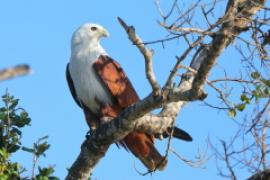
{"x":261,"y":90}
{"x":45,"y":174}
{"x":39,"y":147}
{"x":12,"y":120}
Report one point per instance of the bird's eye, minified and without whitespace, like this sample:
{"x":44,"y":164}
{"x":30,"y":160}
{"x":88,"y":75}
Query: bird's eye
{"x":94,"y":28}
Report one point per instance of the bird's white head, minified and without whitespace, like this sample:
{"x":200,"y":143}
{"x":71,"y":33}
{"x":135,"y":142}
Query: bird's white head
{"x":88,"y":33}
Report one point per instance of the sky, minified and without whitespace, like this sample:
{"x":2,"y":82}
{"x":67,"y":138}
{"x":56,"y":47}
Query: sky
{"x":38,"y":33}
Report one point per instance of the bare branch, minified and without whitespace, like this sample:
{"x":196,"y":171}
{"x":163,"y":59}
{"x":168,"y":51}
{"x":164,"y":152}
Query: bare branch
{"x":187,"y":30}
{"x":238,"y":80}
{"x":165,"y":17}
{"x":179,"y":60}
{"x":258,"y":117}
{"x":200,"y":159}
{"x":132,"y":118}
{"x":148,"y":55}
{"x":224,"y":37}
{"x":227,"y":160}
{"x":16,"y":71}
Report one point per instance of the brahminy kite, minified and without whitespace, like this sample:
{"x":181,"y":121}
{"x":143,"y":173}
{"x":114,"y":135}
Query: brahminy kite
{"x":101,"y":88}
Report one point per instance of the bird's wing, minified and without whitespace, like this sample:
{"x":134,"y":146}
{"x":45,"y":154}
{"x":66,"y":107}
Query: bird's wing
{"x":118,"y":84}
{"x":91,"y":118}
{"x":71,"y":87}
{"x":116,"y":81}
{"x":120,"y":87}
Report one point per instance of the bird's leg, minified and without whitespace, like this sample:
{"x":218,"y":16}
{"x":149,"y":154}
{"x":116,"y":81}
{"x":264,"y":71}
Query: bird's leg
{"x":88,"y":134}
{"x":92,"y":120}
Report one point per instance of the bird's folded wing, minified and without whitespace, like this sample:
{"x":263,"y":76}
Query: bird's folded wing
{"x":71,"y":86}
{"x":116,"y":81}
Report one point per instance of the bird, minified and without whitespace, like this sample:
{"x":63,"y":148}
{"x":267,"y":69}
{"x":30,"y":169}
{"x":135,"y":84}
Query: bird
{"x":101,"y":88}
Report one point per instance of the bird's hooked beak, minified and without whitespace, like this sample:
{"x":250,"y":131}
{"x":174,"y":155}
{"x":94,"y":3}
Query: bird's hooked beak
{"x":104,"y":33}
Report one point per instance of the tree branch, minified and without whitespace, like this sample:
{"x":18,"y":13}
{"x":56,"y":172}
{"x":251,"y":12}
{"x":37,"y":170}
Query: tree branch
{"x":15,"y":71}
{"x":132,"y":118}
{"x":236,"y":21}
{"x":148,"y":55}
{"x":187,"y":30}
{"x":263,"y":175}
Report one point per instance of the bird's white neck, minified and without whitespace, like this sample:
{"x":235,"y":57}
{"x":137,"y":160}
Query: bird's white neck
{"x":88,"y":50}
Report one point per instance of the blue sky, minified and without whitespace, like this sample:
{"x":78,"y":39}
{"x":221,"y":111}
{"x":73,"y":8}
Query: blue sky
{"x":38,"y":33}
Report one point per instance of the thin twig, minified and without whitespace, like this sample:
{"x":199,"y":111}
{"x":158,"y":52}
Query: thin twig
{"x":239,"y":80}
{"x":193,"y":163}
{"x":180,"y":59}
{"x":187,"y":30}
{"x":227,"y":161}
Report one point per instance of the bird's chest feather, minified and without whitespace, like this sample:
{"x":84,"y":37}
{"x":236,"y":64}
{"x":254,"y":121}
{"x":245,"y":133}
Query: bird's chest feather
{"x":88,"y":85}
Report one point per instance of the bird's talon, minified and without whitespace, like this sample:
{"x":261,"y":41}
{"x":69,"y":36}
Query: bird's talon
{"x":88,"y":134}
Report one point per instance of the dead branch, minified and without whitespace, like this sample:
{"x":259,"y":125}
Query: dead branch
{"x":253,"y":154}
{"x":187,"y":30}
{"x":197,"y":163}
{"x":148,"y":55}
{"x":13,"y":72}
{"x":132,"y":118}
{"x":227,"y":161}
{"x":237,"y":80}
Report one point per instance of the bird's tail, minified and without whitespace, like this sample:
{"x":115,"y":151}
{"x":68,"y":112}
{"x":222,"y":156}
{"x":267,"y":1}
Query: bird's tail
{"x":142,"y":146}
{"x":181,"y":134}
{"x":176,"y":133}
{"x":154,"y":161}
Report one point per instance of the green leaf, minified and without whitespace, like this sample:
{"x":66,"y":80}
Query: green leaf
{"x":267,"y":92}
{"x":2,"y":115}
{"x":16,"y":131}
{"x":22,"y":120}
{"x":43,"y":138}
{"x":13,"y":148}
{"x":241,"y":107}
{"x":2,"y":109}
{"x":46,"y":171}
{"x":245,"y":99}
{"x":14,"y":103}
{"x":266,"y":82}
{"x":4,"y":155}
{"x":232,"y":113}
{"x":255,"y":75}
{"x":30,"y":150}
{"x":4,"y":176}
{"x":41,"y":148}
{"x":6,"y":98}
{"x":46,"y":174}
{"x":24,"y":114}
